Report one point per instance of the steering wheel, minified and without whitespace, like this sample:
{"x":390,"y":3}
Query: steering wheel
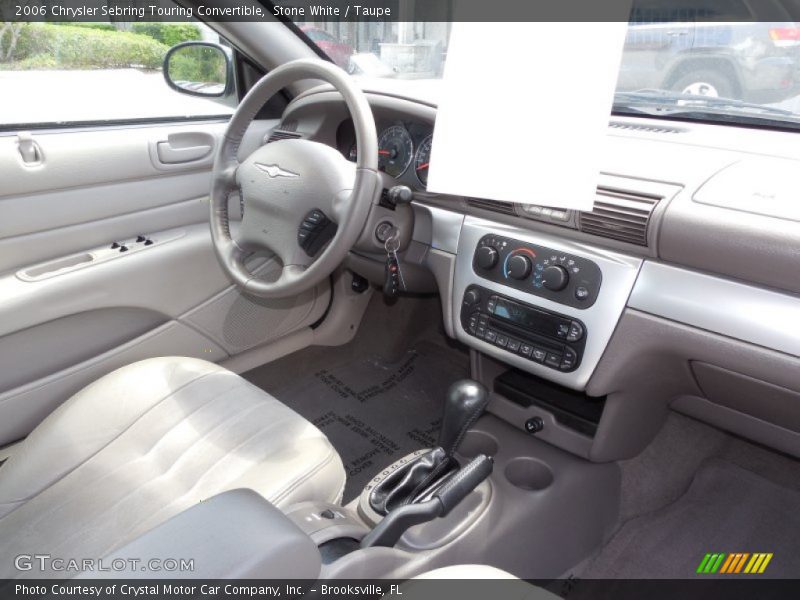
{"x":286,"y":181}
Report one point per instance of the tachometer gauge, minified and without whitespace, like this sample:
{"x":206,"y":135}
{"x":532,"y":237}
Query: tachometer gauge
{"x":395,"y":150}
{"x":423,"y":159}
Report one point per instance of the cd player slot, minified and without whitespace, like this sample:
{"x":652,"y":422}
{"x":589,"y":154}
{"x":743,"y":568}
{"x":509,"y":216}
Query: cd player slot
{"x":529,"y":336}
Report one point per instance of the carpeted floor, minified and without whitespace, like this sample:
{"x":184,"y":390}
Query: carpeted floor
{"x":726,"y":509}
{"x":378,"y":397}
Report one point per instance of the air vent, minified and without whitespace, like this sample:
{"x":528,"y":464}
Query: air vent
{"x":619,"y":216}
{"x":280,"y":134}
{"x":498,"y":206}
{"x":644,"y":128}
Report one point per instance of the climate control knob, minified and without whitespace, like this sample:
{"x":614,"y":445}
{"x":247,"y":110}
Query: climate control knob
{"x":555,"y":278}
{"x":519,"y":267}
{"x":486,"y":257}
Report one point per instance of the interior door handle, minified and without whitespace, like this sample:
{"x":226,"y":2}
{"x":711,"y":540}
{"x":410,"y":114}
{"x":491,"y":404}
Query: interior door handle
{"x":184,"y":147}
{"x":29,"y":149}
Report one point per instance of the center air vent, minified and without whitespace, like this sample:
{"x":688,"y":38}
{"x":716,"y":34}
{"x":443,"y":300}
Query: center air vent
{"x":493,"y":205}
{"x":619,"y":216}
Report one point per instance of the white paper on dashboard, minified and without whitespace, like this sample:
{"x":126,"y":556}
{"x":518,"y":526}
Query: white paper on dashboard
{"x":524,"y":111}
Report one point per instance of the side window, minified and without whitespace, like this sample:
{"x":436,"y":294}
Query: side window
{"x":72,"y":73}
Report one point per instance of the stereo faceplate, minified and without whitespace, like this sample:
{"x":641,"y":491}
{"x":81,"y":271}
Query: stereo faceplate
{"x":544,"y":337}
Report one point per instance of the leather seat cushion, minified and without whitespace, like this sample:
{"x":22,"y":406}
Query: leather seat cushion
{"x":146,"y":442}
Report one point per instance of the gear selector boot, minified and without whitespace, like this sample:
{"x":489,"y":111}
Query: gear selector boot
{"x":421,"y":475}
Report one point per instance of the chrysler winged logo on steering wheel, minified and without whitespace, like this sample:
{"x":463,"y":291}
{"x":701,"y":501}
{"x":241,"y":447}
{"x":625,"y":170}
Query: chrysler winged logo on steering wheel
{"x":275,"y":171}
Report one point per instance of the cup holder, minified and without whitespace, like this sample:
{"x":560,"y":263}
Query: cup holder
{"x":528,"y":474}
{"x":477,"y":442}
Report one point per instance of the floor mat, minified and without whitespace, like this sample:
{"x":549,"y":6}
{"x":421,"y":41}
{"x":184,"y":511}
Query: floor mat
{"x":373,"y":411}
{"x":726,"y":509}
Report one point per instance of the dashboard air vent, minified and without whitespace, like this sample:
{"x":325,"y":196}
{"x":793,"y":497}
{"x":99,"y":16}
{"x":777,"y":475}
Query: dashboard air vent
{"x":644,"y":128}
{"x":619,"y":216}
{"x":498,"y":206}
{"x":280,"y":134}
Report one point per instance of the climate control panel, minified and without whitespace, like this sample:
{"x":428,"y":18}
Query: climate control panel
{"x":541,"y":336}
{"x":558,"y":276}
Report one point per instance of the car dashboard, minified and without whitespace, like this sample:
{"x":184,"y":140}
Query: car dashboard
{"x":679,"y":285}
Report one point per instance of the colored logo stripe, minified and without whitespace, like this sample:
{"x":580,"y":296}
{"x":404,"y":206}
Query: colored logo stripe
{"x":711,"y":563}
{"x":720,"y":562}
{"x":758,"y":563}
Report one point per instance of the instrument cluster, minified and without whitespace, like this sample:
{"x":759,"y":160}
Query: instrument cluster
{"x":404,"y":149}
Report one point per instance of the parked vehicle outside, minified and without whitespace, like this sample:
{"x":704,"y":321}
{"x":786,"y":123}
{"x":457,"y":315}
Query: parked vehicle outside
{"x":676,"y":49}
{"x":339,"y":52}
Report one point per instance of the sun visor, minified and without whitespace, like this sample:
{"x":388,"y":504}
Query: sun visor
{"x":524,"y":111}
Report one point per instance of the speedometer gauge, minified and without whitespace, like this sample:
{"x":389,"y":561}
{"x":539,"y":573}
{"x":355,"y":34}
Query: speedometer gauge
{"x":423,"y":159}
{"x":395,"y":150}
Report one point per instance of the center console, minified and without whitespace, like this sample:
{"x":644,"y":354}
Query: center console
{"x":537,"y":302}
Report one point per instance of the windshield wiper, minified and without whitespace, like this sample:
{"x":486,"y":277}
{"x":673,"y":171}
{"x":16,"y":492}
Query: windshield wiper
{"x":663,"y":103}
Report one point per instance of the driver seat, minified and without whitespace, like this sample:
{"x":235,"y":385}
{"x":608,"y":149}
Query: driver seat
{"x":146,"y":442}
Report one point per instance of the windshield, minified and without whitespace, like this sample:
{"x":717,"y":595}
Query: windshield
{"x":382,"y":49}
{"x":676,"y":62}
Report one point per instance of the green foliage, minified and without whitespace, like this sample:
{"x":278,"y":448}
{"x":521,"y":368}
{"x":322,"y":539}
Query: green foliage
{"x":168,"y":34}
{"x":38,"y":62}
{"x":89,"y":25}
{"x":76,"y":47}
{"x":199,"y":64}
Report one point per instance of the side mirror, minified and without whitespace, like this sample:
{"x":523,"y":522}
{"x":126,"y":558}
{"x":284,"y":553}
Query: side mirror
{"x":198,"y":69}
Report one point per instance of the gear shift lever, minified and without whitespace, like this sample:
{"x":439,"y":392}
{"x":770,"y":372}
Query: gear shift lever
{"x":466,"y":400}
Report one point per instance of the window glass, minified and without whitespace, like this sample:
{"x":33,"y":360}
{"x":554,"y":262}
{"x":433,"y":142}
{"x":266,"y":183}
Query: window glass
{"x":95,"y":72}
{"x":724,"y":60}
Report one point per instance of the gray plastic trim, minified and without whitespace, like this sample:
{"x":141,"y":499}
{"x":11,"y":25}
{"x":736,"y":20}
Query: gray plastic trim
{"x":744,"y":312}
{"x":619,"y":274}
{"x":225,"y":537}
{"x":438,"y":228}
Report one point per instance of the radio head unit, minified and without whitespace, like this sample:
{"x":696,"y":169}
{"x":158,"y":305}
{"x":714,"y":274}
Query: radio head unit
{"x":545,"y":337}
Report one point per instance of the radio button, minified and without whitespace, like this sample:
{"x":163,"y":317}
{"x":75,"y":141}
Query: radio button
{"x":472,"y":297}
{"x":575,"y":332}
{"x":525,"y":349}
{"x":569,"y":360}
{"x":501,"y":341}
{"x":491,"y":336}
{"x":563,"y":330}
{"x":480,"y":331}
{"x":538,"y":355}
{"x":553,"y":360}
{"x":513,"y":345}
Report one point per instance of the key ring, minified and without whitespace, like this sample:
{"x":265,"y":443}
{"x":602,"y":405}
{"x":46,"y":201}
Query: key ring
{"x":392,"y":243}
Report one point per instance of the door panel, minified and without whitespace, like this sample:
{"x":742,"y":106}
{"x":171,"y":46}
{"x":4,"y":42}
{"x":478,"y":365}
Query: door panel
{"x":73,"y":308}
